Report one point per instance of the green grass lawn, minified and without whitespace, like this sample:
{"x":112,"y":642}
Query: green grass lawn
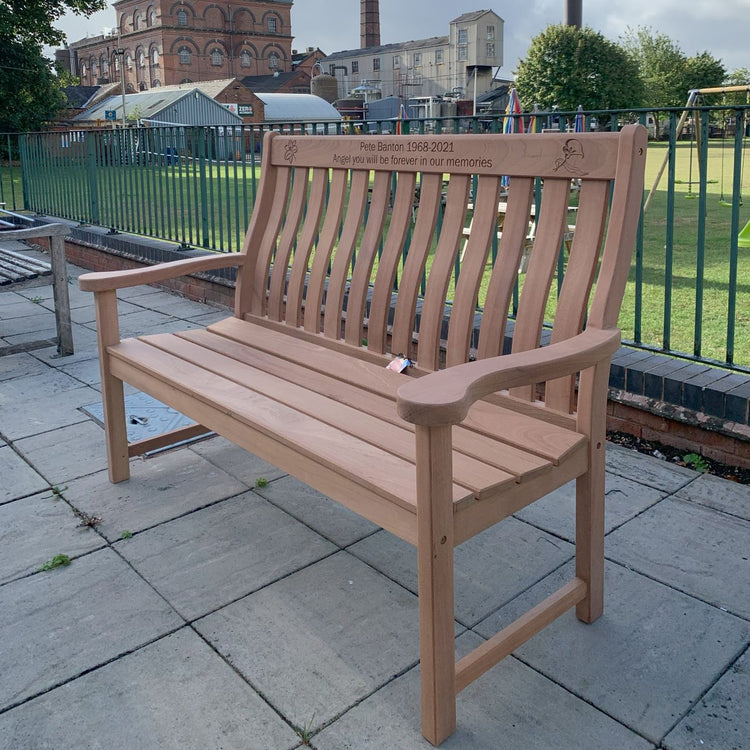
{"x":716,"y":265}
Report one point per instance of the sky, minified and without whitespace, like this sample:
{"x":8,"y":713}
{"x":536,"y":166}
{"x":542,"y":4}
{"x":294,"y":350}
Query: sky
{"x":720,"y":27}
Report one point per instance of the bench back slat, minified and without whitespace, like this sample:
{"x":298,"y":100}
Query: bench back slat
{"x":305,"y":245}
{"x":393,"y":248}
{"x":439,"y":277}
{"x":326,"y":243}
{"x":473,"y":263}
{"x":370,"y":232}
{"x":286,"y":244}
{"x":510,"y":248}
{"x":366,"y":255}
{"x":430,"y":196}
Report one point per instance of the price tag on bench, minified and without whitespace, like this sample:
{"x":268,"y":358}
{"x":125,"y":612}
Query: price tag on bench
{"x":399,"y":364}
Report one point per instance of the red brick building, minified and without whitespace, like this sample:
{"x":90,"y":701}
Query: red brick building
{"x":165,"y":42}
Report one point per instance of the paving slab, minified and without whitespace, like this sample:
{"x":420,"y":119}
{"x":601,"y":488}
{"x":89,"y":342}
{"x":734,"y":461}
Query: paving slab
{"x":86,"y":457}
{"x":48,"y":382}
{"x":316,"y":643}
{"x":236,"y":461}
{"x":648,"y":470}
{"x":87,"y":313}
{"x":645,"y":662}
{"x":161,"y":488}
{"x":85,"y":371}
{"x":45,"y":413}
{"x":721,"y":720}
{"x":174,"y":694}
{"x":40,"y":320}
{"x":212,"y":557}
{"x":20,"y":365}
{"x":490,"y":569}
{"x":18,"y":478}
{"x":35,"y":529}
{"x":556,"y":512}
{"x":177,"y":307}
{"x":60,"y":623}
{"x":511,"y":706}
{"x":15,"y":306}
{"x":693,"y":548}
{"x":330,"y":519}
{"x":714,"y":492}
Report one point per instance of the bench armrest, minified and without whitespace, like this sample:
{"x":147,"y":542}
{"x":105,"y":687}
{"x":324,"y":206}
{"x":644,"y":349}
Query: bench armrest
{"x":444,"y":397}
{"x":30,"y":233}
{"x":102,"y":281}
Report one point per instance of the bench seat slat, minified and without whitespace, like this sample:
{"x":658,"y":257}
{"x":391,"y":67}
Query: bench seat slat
{"x":546,"y":440}
{"x":521,"y":464}
{"x":392,"y":437}
{"x":374,"y":468}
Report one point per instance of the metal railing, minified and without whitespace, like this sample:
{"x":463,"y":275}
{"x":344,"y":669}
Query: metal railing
{"x":689,"y":292}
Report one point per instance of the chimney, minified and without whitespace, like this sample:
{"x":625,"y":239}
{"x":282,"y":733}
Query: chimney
{"x":369,"y":23}
{"x":574,"y":13}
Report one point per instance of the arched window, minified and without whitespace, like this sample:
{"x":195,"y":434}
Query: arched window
{"x":129,"y":88}
{"x":272,"y":24}
{"x":141,"y":59}
{"x":128,"y":61}
{"x":137,"y":21}
{"x":216,"y":57}
{"x":182,"y":18}
{"x":273,"y":61}
{"x":186,"y":80}
{"x":142,"y":86}
{"x":184,"y":53}
{"x":246,"y":60}
{"x":155,"y":83}
{"x":154,"y":57}
{"x":83,"y":70}
{"x":152,"y":18}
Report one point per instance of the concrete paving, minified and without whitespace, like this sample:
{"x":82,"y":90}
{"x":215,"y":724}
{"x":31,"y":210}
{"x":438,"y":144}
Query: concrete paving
{"x":211,"y":601}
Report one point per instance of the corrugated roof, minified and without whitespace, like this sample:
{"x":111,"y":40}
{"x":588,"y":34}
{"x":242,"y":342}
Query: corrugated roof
{"x":210,"y":88}
{"x":297,"y":107}
{"x":161,"y":105}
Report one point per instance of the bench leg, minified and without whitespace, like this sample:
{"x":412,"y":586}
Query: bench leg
{"x":435,"y":570}
{"x":115,"y":428}
{"x":590,"y":500}
{"x":62,"y":298}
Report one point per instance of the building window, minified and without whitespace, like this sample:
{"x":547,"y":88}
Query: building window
{"x":272,"y":24}
{"x":152,"y":18}
{"x":490,"y":33}
{"x":376,"y":63}
{"x":137,"y":22}
{"x":417,"y":59}
{"x":141,"y":60}
{"x":155,"y":83}
{"x":355,"y":66}
{"x":104,"y":65}
{"x":397,"y":61}
{"x":184,"y":56}
{"x":83,"y":70}
{"x":117,"y":64}
{"x":155,"y":57}
{"x":142,"y":86}
{"x":463,"y":36}
{"x":216,"y":57}
{"x":463,"y":53}
{"x":490,"y":49}
{"x":182,"y":18}
{"x":245,"y":59}
{"x":438,"y":57}
{"x":273,"y":61}
{"x":128,"y":61}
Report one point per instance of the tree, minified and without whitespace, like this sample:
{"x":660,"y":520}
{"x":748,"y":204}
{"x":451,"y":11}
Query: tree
{"x":667,"y":73}
{"x":29,"y":89}
{"x":566,"y":66}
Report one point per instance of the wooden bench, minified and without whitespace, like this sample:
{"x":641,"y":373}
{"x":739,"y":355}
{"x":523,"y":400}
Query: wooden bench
{"x":16,"y":268}
{"x":298,"y":374}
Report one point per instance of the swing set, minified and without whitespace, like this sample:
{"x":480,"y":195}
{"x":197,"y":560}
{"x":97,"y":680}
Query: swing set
{"x":694,"y":95}
{"x":693,"y":100}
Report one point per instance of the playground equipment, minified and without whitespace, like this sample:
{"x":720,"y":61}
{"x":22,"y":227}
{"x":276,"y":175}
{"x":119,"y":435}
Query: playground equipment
{"x":743,"y":238}
{"x":693,"y":98}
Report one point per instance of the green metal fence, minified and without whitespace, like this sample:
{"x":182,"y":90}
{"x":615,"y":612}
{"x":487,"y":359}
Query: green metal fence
{"x":689,"y":291}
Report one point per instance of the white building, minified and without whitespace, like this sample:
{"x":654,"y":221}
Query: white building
{"x":461,"y":63}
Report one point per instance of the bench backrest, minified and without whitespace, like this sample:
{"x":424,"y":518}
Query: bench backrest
{"x":341,"y":222}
